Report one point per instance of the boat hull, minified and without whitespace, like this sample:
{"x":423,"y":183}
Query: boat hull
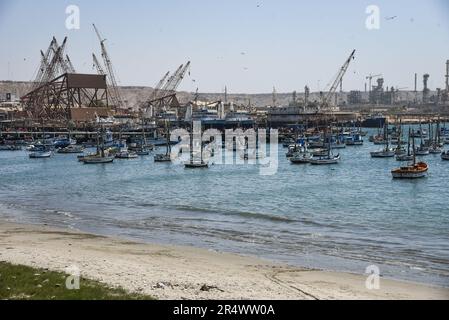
{"x":191,"y":165}
{"x":40,"y":155}
{"x":97,"y":160}
{"x":416,"y":171}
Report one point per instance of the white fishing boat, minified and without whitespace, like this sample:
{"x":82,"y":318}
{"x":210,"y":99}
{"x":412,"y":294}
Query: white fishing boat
{"x":98,"y":159}
{"x":40,"y":154}
{"x":325,"y":160}
{"x":329,"y":158}
{"x":126,"y":155}
{"x":143,"y":152}
{"x":72,"y":149}
{"x":100,"y":156}
{"x":301,"y":158}
{"x":408,"y":156}
{"x":195,"y":162}
{"x":445,"y":155}
{"x":162,"y":158}
{"x":165,"y":157}
{"x":435,"y":149}
{"x":422,"y":151}
{"x":386,"y":152}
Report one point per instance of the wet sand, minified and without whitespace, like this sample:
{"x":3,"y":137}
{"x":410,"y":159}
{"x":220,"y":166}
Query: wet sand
{"x":176,"y":272}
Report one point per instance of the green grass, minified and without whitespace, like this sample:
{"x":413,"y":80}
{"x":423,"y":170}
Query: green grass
{"x":26,"y":283}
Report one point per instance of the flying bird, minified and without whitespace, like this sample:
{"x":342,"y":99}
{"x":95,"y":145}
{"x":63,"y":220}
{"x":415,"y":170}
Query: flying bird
{"x":390,"y":18}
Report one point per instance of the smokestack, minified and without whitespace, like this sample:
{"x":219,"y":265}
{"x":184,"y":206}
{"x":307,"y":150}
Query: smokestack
{"x":416,"y":82}
{"x":425,"y":91}
{"x":447,"y":76}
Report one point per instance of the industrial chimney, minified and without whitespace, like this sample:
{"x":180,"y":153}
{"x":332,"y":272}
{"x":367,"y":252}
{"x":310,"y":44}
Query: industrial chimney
{"x":425,"y":92}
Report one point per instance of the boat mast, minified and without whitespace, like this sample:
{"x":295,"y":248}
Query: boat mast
{"x":408,"y":144}
{"x":414,"y":151}
{"x":168,"y":139}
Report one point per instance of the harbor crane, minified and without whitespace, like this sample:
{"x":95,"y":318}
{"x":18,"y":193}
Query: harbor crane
{"x":327,"y":98}
{"x":159,"y":85}
{"x":370,"y":77}
{"x":165,"y":91}
{"x":115,"y":92}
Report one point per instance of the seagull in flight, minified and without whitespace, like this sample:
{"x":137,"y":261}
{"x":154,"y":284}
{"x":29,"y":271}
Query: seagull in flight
{"x":390,"y":18}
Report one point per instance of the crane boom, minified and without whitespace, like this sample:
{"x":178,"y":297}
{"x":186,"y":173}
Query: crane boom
{"x":337,"y":80}
{"x":97,"y":65}
{"x":115,"y":92}
{"x":165,"y":89}
{"x":159,"y":85}
{"x":174,"y":85}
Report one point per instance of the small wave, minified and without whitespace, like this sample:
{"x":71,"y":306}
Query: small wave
{"x":245,"y":214}
{"x":63,"y":213}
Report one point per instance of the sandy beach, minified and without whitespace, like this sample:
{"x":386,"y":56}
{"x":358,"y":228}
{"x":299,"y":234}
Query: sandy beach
{"x":175,"y":272}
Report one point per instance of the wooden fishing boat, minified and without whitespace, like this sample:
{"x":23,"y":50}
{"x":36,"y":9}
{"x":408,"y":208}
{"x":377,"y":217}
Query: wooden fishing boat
{"x":416,"y":170}
{"x":413,"y":170}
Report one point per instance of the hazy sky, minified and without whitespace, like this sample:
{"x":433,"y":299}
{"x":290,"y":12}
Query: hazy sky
{"x":250,"y":46}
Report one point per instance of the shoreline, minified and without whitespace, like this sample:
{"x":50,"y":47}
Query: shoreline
{"x":177,"y":272}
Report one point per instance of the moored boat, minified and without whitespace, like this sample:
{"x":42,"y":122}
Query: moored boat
{"x":97,"y":159}
{"x":445,"y":155}
{"x":40,"y":154}
{"x":411,"y":171}
{"x":71,"y":149}
{"x":126,"y":155}
{"x":325,"y":160}
{"x":301,"y":158}
{"x":416,"y":170}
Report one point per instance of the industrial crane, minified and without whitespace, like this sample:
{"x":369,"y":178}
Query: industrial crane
{"x":115,"y":92}
{"x":370,"y":77}
{"x":166,"y":88}
{"x":97,"y":65}
{"x":159,"y":85}
{"x":177,"y":79}
{"x":337,"y":80}
{"x":45,"y":57}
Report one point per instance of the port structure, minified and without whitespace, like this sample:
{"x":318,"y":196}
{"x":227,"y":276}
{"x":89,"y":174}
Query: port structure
{"x":57,"y":88}
{"x":55,"y":99}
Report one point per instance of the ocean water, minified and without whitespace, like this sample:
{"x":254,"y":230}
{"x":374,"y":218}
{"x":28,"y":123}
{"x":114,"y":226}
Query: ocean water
{"x":344,"y":217}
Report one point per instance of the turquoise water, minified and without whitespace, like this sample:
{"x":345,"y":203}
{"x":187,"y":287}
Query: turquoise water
{"x":343,"y":217}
